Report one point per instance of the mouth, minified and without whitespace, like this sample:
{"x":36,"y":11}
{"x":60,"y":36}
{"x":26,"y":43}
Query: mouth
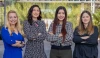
{"x":61,"y":17}
{"x":35,"y":14}
{"x":13,"y":21}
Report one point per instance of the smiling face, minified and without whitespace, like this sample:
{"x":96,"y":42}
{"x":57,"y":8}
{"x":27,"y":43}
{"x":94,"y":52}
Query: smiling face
{"x":35,"y":12}
{"x":61,"y":14}
{"x":12,"y":18}
{"x":85,"y":18}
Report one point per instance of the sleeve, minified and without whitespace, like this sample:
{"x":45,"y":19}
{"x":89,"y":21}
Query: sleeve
{"x":52,"y":37}
{"x":28,"y":31}
{"x":23,"y":38}
{"x":93,"y":39}
{"x":69,"y":35}
{"x":23,"y":41}
{"x":77,"y":38}
{"x":44,"y":33}
{"x":7,"y":37}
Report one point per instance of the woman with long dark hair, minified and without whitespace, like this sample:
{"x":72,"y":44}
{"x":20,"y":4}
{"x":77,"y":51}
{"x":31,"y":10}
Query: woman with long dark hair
{"x":35,"y":31}
{"x":60,"y":35}
{"x":85,"y":37}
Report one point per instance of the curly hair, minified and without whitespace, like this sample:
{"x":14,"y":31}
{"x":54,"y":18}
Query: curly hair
{"x":29,"y":15}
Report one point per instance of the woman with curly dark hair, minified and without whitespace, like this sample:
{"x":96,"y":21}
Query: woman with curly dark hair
{"x":35,"y":31}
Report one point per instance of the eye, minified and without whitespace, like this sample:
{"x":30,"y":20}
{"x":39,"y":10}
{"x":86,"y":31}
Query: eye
{"x":38,"y":10}
{"x":15,"y":17}
{"x":63,"y":13}
{"x":87,"y":16}
{"x":59,"y":12}
{"x":83,"y":17}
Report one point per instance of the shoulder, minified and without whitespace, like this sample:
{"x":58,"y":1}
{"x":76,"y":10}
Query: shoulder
{"x":26,"y":21}
{"x":42,"y":21}
{"x":69,"y":23}
{"x":95,"y":28}
{"x":4,"y":28}
{"x":76,"y":28}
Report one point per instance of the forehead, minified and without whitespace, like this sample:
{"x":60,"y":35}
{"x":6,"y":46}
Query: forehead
{"x":12,"y":14}
{"x":85,"y":14}
{"x":61,"y":10}
{"x":36,"y":8}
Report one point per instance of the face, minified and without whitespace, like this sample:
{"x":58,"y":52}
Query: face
{"x":35,"y":12}
{"x":61,"y":14}
{"x":85,"y":18}
{"x":12,"y":18}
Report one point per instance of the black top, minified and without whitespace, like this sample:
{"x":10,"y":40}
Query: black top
{"x":86,"y":48}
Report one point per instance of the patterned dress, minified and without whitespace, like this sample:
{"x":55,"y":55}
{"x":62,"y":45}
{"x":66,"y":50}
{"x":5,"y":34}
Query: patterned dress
{"x":35,"y":45}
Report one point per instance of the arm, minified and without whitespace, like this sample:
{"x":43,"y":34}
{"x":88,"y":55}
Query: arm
{"x":9,"y":39}
{"x":93,"y":39}
{"x":19,"y":43}
{"x":43,"y":35}
{"x":69,"y":35}
{"x":53,"y":37}
{"x":27,"y":31}
{"x":6,"y":36}
{"x":77,"y":38}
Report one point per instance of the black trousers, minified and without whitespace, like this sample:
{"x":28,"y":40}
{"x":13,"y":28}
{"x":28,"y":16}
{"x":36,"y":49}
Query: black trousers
{"x":61,"y":53}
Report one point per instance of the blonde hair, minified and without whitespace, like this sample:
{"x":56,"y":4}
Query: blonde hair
{"x":17,"y":25}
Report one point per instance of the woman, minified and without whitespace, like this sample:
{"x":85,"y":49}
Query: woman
{"x":12,"y":36}
{"x":60,"y":35}
{"x":85,"y":37}
{"x":35,"y":31}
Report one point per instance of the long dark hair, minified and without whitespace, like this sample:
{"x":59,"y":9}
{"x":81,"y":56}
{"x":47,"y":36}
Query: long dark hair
{"x":56,"y":21}
{"x":81,"y":28}
{"x":29,"y":15}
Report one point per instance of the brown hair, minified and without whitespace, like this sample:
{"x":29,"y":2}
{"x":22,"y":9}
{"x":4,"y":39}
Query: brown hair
{"x":81,"y":28}
{"x":56,"y":21}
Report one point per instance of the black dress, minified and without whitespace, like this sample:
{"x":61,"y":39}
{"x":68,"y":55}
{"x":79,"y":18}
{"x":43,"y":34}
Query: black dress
{"x":86,"y":48}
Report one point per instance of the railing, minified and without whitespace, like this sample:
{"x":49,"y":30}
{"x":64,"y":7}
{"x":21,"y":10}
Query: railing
{"x":59,"y":1}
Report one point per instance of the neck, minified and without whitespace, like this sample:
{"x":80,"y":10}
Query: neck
{"x":85,"y":25}
{"x":34,"y":19}
{"x":13,"y":26}
{"x":60,"y":22}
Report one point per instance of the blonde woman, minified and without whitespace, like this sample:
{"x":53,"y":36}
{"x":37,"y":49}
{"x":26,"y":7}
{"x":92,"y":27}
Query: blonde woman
{"x":12,"y":36}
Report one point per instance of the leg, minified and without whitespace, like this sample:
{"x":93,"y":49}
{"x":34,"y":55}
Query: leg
{"x":66,"y":53}
{"x":53,"y":53}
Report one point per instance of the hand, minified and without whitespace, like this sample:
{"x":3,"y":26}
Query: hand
{"x":23,"y":42}
{"x":18,"y":41}
{"x":60,"y":35}
{"x":18,"y":44}
{"x":51,"y":33}
{"x":39,"y":34}
{"x":85,"y":37}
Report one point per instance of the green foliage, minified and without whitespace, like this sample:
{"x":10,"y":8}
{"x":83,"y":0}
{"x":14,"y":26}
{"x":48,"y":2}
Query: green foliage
{"x":96,"y":17}
{"x":48,"y":10}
